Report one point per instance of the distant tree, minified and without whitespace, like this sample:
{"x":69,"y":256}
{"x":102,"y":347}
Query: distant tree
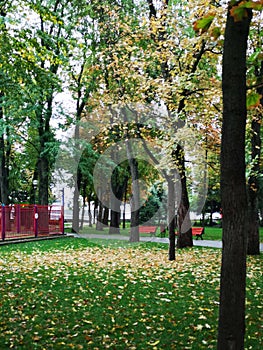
{"x":156,"y":200}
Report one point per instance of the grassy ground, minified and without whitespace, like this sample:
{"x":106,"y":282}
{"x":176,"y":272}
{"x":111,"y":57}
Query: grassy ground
{"x":74,"y":294}
{"x":211,"y":233}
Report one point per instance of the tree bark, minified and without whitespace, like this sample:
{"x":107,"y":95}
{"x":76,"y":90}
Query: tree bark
{"x":105,"y":218}
{"x":76,"y":209}
{"x":171,"y":218}
{"x":115,"y":201}
{"x":185,"y":238}
{"x":89,"y":213}
{"x":231,"y":327}
{"x":99,"y":224}
{"x":135,"y":197}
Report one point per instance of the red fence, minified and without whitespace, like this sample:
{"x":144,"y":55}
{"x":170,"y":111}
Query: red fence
{"x":25,"y":220}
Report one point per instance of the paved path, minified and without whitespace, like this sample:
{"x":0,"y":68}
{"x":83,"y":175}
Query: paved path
{"x":200,"y":243}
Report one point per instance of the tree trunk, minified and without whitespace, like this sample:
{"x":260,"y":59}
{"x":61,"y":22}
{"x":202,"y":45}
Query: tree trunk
{"x":89,"y":213}
{"x":231,"y":328}
{"x":171,"y":218}
{"x":99,"y":224}
{"x":135,"y":197}
{"x":43,"y":115}
{"x":83,"y":208}
{"x":185,"y":238}
{"x":76,"y":209}
{"x":43,"y":183}
{"x":105,"y":218}
{"x":115,"y":222}
{"x":115,"y":203}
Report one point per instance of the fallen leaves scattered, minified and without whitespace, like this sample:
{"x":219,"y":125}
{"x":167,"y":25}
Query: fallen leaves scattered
{"x":102,"y":297}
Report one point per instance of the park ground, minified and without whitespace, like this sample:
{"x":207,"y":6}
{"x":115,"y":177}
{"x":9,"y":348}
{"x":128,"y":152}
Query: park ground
{"x":211,"y":233}
{"x":76,"y":293}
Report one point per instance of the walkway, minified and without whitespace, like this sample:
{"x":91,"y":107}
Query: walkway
{"x":199,"y":243}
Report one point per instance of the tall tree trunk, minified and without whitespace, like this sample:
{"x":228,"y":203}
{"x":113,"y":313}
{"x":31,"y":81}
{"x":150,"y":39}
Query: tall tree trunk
{"x":43,"y":158}
{"x":253,"y":183}
{"x":171,"y":217}
{"x":231,"y":328}
{"x":135,"y":197}
{"x":119,"y":187}
{"x":77,"y":175}
{"x":185,"y":238}
{"x":43,"y":115}
{"x":115,"y":204}
{"x":99,"y":224}
{"x":83,"y":205}
{"x":89,"y":213}
{"x":124,"y":206}
{"x":75,"y":214}
{"x":43,"y":183}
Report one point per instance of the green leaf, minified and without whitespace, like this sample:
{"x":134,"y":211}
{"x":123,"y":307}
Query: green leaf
{"x":253,"y":100}
{"x":240,"y":11}
{"x":255,"y":5}
{"x":203,"y":23}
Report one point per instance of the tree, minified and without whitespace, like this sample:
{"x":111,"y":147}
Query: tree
{"x":233,"y":182}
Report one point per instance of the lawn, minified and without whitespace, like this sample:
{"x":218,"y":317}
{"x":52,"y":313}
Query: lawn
{"x":211,"y":233}
{"x":73,"y":294}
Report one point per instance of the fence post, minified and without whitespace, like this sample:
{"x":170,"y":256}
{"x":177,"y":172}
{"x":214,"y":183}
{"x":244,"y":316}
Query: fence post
{"x":18,"y":218}
{"x":35,"y":220}
{"x":3,"y":221}
{"x":62,"y":228}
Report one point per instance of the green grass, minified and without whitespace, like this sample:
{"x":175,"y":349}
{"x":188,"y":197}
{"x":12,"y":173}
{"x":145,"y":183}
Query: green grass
{"x":75,"y":294}
{"x":211,"y":233}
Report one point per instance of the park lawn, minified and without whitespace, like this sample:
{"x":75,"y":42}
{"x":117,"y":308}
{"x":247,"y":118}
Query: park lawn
{"x":211,"y":233}
{"x":73,"y":294}
{"x":215,"y":233}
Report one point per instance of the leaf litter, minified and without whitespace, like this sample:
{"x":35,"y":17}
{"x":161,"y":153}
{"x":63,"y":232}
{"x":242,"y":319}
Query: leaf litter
{"x":121,"y":298}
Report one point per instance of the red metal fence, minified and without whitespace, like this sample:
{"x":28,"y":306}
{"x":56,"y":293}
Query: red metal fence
{"x":26,"y":220}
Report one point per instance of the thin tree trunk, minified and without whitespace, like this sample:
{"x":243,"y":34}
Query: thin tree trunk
{"x":83,"y":208}
{"x":171,"y":218}
{"x":89,"y":214}
{"x":99,"y":224}
{"x":115,"y":205}
{"x":135,"y":197}
{"x":231,"y":327}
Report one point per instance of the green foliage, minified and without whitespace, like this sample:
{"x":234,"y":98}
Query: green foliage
{"x":156,"y":201}
{"x":253,"y":99}
{"x":203,"y":23}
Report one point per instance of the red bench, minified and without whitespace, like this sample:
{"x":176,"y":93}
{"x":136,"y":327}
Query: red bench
{"x":148,"y":229}
{"x":197,"y":231}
